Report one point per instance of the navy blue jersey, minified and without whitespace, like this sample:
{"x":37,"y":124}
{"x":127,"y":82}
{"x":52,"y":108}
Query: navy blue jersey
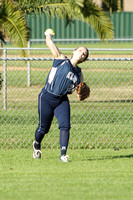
{"x":63,"y":77}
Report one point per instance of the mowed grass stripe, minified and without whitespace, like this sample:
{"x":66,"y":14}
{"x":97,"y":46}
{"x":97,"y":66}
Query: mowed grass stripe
{"x":90,"y":174}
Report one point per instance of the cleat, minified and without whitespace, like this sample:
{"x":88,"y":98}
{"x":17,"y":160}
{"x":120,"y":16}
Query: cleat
{"x":64,"y":158}
{"x":36,"y":152}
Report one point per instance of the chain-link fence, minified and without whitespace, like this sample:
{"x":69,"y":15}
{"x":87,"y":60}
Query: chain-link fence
{"x":104,"y":120}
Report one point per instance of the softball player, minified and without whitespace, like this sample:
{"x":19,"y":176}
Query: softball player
{"x":63,"y":78}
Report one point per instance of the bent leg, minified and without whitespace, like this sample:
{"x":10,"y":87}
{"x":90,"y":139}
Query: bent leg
{"x":46,"y":114}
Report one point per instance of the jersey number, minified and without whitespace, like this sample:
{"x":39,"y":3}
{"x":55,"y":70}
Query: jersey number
{"x":52,"y":75}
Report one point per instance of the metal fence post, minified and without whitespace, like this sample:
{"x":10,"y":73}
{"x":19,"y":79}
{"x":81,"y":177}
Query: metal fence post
{"x":29,"y":69}
{"x":4,"y":79}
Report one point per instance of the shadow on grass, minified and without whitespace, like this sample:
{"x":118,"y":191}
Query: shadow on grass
{"x":111,"y":157}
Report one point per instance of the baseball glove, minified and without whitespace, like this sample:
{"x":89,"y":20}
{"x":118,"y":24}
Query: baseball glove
{"x":83,"y":91}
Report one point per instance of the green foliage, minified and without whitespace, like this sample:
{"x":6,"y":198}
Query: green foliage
{"x":113,"y":5}
{"x":84,"y":10}
{"x":98,"y":19}
{"x":13,"y":24}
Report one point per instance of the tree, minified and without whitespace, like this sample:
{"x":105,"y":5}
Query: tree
{"x":113,"y":5}
{"x":85,"y":10}
{"x":13,"y":22}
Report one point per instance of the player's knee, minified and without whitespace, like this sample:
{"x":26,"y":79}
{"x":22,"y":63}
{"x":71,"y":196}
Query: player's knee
{"x":43,"y":130}
{"x":64,"y":128}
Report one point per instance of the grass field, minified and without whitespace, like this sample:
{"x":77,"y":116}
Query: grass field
{"x":91,"y":45}
{"x":94,"y":125}
{"x":90,"y":174}
{"x":99,"y":125}
{"x":105,"y":44}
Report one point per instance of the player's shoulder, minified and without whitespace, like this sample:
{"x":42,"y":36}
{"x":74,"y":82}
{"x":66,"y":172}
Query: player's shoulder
{"x":58,"y":62}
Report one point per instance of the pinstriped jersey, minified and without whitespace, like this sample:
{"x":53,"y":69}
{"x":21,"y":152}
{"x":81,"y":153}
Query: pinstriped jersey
{"x":63,"y":77}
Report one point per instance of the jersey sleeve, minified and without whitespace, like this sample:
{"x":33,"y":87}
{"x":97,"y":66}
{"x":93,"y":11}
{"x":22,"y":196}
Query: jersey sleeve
{"x":58,"y":62}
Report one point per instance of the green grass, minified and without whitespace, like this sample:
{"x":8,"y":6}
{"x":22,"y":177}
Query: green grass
{"x":90,"y":174}
{"x":99,"y":125}
{"x":112,"y":45}
{"x":94,"y":125}
{"x":98,"y":79}
{"x":87,"y":44}
{"x":109,"y":73}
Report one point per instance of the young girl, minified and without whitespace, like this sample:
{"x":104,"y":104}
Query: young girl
{"x":63,"y":78}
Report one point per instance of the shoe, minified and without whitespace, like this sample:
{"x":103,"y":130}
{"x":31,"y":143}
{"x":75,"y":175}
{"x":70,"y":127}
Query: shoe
{"x":64,"y":158}
{"x":36,"y":152}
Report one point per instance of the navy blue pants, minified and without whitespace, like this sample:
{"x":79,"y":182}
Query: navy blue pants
{"x":50,"y":105}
